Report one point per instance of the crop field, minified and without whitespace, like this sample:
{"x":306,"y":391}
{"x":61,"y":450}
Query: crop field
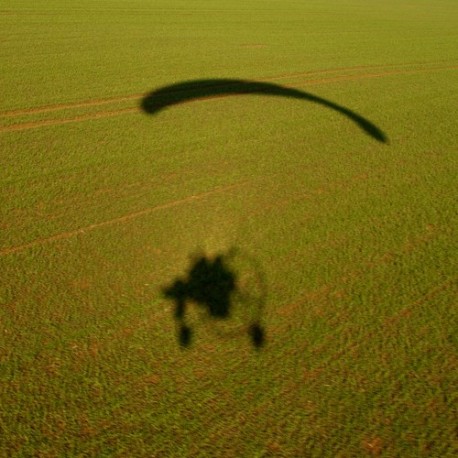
{"x":228,"y":228}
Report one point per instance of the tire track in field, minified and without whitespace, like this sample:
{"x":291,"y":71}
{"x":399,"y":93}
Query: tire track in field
{"x":58,"y":122}
{"x":285,"y":201}
{"x":129,"y":216}
{"x":119,"y":219}
{"x":112,"y":113}
{"x":170,"y":204}
{"x":420,"y":65}
{"x":109,"y":100}
{"x":68,"y":106}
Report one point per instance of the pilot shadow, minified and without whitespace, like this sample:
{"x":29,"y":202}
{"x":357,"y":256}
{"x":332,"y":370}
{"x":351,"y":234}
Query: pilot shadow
{"x":212,"y":285}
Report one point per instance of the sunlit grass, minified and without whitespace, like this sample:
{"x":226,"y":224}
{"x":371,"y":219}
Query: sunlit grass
{"x":349,"y":243}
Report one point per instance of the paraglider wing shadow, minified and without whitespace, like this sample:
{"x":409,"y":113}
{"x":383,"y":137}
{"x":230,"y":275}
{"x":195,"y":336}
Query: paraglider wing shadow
{"x":188,"y":91}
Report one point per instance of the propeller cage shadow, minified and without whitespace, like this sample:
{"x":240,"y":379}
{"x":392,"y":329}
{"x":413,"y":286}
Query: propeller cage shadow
{"x":218,"y":289}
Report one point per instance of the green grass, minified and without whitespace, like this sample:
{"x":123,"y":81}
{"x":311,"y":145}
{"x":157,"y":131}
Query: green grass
{"x":103,"y":205}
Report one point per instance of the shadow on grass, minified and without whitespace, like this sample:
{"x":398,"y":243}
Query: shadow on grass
{"x":188,"y":91}
{"x":212,"y":283}
{"x":225,"y":287}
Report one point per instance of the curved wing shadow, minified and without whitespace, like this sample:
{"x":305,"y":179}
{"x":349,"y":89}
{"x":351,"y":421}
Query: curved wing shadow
{"x":188,"y":91}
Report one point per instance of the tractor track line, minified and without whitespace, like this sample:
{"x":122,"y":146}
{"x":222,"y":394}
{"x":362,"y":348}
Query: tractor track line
{"x":58,"y":122}
{"x":112,"y":113}
{"x":69,"y":106}
{"x":109,"y":100}
{"x":119,"y":219}
{"x":400,"y":67}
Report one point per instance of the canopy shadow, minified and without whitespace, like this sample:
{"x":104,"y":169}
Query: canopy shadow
{"x":188,"y":91}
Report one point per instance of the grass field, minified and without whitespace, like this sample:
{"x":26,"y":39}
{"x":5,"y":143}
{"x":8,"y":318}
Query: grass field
{"x":265,"y":268}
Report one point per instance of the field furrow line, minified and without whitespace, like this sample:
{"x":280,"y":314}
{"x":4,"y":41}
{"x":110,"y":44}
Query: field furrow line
{"x":426,"y":66}
{"x":364,"y":76}
{"x":58,"y":122}
{"x":122,"y":111}
{"x":118,"y":220}
{"x":420,"y":65}
{"x":68,"y":106}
